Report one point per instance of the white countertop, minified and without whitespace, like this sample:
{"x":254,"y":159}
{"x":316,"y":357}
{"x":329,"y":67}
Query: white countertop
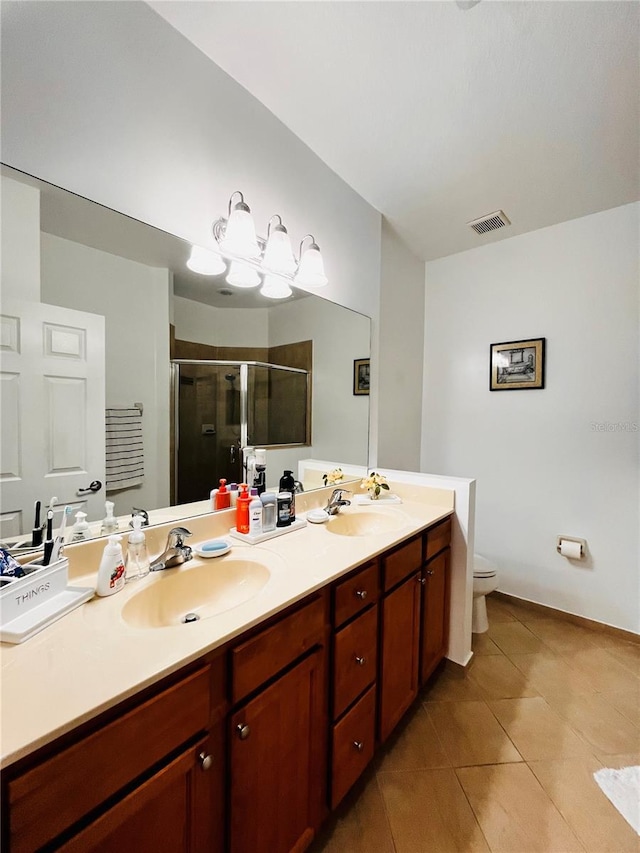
{"x":92,"y":658}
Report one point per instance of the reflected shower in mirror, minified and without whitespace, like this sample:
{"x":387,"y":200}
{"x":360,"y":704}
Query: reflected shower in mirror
{"x":113,"y":296}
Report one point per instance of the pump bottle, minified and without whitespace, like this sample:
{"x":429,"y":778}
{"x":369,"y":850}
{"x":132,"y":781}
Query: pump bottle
{"x":242,"y":509}
{"x":111,"y":571}
{"x":137,"y":561}
{"x":223,"y":496}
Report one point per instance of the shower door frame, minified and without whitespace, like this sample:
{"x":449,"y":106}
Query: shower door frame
{"x":244,"y":366}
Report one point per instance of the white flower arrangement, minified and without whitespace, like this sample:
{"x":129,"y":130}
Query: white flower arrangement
{"x":333,"y":477}
{"x":374,"y":484}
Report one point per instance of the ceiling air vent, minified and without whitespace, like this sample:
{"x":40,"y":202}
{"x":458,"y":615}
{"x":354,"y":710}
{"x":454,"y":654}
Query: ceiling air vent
{"x":489,"y":222}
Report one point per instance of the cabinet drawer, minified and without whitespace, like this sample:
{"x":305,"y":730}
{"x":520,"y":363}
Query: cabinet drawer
{"x":354,"y":594}
{"x":438,"y":538}
{"x":355,"y":659}
{"x":402,"y":562}
{"x":353,"y":742}
{"x":263,"y":656}
{"x":49,"y":798}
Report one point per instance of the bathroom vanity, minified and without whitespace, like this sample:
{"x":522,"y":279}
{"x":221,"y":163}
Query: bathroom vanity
{"x":239,"y":732}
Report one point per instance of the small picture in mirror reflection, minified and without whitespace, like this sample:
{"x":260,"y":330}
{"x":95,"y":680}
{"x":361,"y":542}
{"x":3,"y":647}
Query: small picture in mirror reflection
{"x":361,"y":376}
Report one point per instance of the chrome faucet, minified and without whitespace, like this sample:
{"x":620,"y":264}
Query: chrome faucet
{"x":336,"y":501}
{"x":175,"y":552}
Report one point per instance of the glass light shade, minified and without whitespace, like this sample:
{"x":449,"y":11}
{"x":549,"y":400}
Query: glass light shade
{"x":311,"y":270}
{"x":240,"y":275}
{"x":240,"y":235}
{"x":205,"y":262}
{"x":275,"y":288}
{"x":278,"y":256}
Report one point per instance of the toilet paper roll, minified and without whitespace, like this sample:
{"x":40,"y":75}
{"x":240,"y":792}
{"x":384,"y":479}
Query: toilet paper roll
{"x":570,"y":549}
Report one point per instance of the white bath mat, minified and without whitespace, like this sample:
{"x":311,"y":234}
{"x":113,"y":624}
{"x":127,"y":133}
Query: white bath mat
{"x":622,"y":788}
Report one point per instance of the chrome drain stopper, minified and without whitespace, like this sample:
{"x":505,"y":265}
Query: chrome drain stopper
{"x":190,"y":617}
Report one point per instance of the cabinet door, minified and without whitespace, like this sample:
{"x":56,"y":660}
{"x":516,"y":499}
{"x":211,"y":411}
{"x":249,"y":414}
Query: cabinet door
{"x":435,"y":614}
{"x":169,"y":813}
{"x":398,"y":685}
{"x":278,"y":748}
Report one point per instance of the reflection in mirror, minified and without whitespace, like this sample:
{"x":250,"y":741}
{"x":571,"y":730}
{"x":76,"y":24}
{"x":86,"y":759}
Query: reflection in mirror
{"x":95,"y":305}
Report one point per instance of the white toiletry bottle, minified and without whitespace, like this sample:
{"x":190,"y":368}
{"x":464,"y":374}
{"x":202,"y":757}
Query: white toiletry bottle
{"x":137,"y":561}
{"x":109,"y":523}
{"x":255,"y":514}
{"x":111,"y":571}
{"x":80,"y":530}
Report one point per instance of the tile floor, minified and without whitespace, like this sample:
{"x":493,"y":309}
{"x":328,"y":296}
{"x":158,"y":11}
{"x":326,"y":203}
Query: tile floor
{"x":501,"y":758}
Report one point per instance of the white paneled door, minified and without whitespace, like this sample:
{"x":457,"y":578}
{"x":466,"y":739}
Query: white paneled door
{"x":52,"y":412}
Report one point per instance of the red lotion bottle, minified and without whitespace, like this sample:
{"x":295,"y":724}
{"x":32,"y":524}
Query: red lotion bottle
{"x":242,"y":509}
{"x":223,"y":496}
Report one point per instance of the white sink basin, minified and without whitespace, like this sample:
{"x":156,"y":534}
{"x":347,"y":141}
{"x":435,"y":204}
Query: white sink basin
{"x":205,"y":589}
{"x":365,"y":523}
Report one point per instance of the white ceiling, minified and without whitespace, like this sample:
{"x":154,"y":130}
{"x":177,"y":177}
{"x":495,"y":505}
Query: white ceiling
{"x":436,"y":115}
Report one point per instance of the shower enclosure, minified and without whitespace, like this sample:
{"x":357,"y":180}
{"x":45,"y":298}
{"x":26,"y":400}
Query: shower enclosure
{"x":219,"y":407}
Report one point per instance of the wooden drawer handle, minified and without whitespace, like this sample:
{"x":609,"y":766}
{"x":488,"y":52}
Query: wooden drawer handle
{"x":359,"y":745}
{"x":361,"y":660}
{"x":361,"y":594}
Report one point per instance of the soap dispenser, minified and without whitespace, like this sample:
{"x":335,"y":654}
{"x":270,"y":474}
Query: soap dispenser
{"x":109,"y":523}
{"x":111,"y":570}
{"x":137,"y":561}
{"x":223,"y":496}
{"x":242,"y":509}
{"x":80,"y":530}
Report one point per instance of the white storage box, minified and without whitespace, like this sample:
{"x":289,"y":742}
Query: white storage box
{"x":30,"y":603}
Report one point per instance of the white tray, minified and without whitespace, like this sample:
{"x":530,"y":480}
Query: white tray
{"x":298,"y":524}
{"x":34,"y":620}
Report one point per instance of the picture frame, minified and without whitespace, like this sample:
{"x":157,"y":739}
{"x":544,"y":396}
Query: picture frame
{"x":517,"y":365}
{"x":361,"y":376}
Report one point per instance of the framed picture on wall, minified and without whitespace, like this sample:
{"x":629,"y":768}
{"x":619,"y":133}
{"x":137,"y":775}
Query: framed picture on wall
{"x":361,"y":376}
{"x":517,"y":365}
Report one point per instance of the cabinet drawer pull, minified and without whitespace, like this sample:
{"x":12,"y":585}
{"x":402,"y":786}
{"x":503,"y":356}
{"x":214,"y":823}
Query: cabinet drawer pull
{"x":361,"y":594}
{"x":421,"y":581}
{"x":430,"y":572}
{"x":206,"y":761}
{"x":361,"y":660}
{"x":243,"y":731}
{"x":359,"y":745}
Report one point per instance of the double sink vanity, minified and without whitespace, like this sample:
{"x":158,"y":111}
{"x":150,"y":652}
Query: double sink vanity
{"x":124,"y":728}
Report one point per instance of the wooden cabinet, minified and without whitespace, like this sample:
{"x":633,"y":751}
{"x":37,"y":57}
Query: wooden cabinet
{"x":169,"y":812}
{"x":399,"y":653}
{"x":61,"y":794}
{"x":278,"y":735}
{"x":435,"y":613}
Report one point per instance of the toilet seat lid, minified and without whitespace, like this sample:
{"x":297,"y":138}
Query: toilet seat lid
{"x":490,"y":573}
{"x":483,"y":568}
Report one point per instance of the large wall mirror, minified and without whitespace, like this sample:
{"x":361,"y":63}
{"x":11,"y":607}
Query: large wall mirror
{"x":95,"y":305}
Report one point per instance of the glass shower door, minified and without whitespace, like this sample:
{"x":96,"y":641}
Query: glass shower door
{"x":207,"y":419}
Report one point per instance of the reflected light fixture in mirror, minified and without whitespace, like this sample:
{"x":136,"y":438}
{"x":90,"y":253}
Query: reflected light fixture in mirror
{"x":205,"y":262}
{"x":275,"y":288}
{"x":241,"y":275}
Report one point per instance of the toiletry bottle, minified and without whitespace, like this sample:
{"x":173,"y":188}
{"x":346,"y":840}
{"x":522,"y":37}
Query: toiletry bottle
{"x":137,"y":560}
{"x":111,"y":571}
{"x":269,"y":501}
{"x":242,"y":509}
{"x":288,"y":484}
{"x":233,"y":493}
{"x":283,"y":509}
{"x":109,"y":523}
{"x":223,"y":498}
{"x":212,"y":498}
{"x":255,"y":514}
{"x":80,"y":530}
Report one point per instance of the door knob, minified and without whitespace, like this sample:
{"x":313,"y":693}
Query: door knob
{"x":359,"y":745}
{"x":361,"y":594}
{"x":243,"y":731}
{"x":205,"y":760}
{"x":95,"y":486}
{"x":360,"y":660}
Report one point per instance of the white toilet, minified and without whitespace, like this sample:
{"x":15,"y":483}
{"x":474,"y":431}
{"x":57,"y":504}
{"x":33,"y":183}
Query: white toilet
{"x":485,"y":580}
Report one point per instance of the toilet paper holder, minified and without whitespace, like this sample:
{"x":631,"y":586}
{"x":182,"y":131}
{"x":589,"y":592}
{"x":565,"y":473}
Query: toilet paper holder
{"x":581,"y":542}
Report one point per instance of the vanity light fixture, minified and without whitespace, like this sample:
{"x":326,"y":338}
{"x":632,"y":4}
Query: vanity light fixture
{"x":240,"y":234}
{"x":311,"y":270}
{"x":205,"y":262}
{"x":251,"y":258}
{"x":275,"y":287}
{"x":241,"y":275}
